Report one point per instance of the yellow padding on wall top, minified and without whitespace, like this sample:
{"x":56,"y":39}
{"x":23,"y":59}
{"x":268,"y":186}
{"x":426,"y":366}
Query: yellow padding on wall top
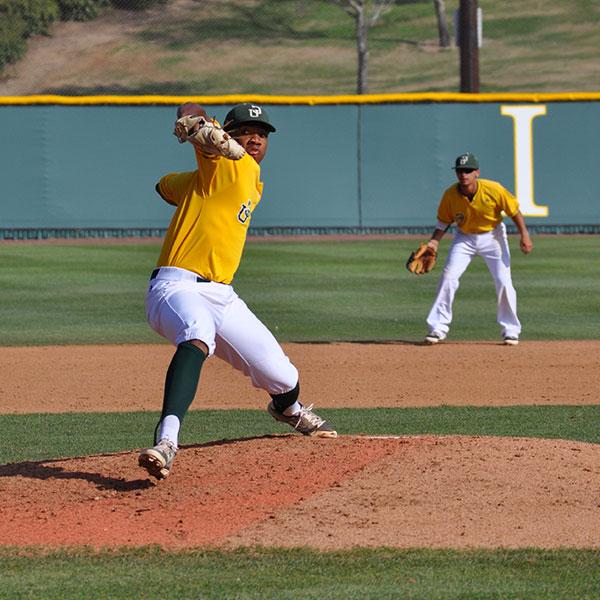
{"x":303,"y":100}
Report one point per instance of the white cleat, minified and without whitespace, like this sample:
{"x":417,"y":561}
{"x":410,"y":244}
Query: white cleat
{"x":305,"y":422}
{"x":434,"y":338}
{"x":158,"y":460}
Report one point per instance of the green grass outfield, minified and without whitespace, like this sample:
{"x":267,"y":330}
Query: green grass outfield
{"x":325,"y":290}
{"x":303,"y":291}
{"x":49,"y":436}
{"x":272,"y":574}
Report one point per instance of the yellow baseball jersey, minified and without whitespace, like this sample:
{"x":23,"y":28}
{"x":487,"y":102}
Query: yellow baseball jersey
{"x":481,"y":214}
{"x":214,"y":204}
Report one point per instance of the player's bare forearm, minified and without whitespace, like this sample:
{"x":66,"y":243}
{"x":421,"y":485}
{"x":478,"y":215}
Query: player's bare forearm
{"x":437,"y":235}
{"x":526,"y":244}
{"x":434,"y":242}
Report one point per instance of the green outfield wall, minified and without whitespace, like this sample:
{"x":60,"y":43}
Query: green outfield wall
{"x":336,"y":163}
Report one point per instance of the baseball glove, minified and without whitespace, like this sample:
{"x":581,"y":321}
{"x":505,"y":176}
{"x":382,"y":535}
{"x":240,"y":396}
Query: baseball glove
{"x":207,"y":136}
{"x":422,"y":260}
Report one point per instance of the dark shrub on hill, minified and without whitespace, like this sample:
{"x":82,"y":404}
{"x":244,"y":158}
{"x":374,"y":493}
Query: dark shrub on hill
{"x":38,"y":15}
{"x":12,"y":37}
{"x":80,"y":10}
{"x":136,"y":4}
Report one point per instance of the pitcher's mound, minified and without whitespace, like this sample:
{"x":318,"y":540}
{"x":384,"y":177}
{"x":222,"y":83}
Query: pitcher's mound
{"x":414,"y":491}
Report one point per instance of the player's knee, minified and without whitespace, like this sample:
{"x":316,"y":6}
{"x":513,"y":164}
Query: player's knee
{"x":199,"y":344}
{"x":275,"y":374}
{"x":285,"y":400}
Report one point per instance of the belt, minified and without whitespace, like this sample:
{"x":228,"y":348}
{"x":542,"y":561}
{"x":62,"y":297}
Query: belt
{"x":181,"y":275}
{"x":478,"y":232}
{"x":482,"y":232}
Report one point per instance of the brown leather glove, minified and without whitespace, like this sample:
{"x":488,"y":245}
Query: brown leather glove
{"x":207,"y":136}
{"x":422,"y":260}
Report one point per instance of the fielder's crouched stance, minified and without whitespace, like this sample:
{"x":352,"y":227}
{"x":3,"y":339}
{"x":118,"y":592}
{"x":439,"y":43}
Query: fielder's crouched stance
{"x":476,"y":206}
{"x":190,"y":300}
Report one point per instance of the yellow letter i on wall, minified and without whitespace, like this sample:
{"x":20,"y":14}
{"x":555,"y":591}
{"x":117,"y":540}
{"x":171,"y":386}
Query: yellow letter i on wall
{"x":523,"y":139}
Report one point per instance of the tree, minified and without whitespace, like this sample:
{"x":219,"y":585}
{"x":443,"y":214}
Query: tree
{"x":365,"y":13}
{"x":440,"y":13}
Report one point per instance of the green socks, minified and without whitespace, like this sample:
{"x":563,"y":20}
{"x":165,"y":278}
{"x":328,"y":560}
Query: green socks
{"x":182,"y":380}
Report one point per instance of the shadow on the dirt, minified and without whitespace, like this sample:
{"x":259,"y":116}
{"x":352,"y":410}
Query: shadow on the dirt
{"x":46,"y":470}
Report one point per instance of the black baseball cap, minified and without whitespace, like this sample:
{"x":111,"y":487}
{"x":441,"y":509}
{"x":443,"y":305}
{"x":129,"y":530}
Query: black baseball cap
{"x":466,"y":161}
{"x":247,"y":114}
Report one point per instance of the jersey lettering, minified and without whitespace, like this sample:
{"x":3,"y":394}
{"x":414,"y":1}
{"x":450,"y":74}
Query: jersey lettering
{"x":245,"y":212}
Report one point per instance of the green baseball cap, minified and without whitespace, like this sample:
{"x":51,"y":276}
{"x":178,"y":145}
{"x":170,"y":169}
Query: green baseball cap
{"x":466,"y":161}
{"x":247,"y":114}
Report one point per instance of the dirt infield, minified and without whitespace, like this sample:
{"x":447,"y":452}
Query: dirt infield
{"x":286,"y":490}
{"x":346,"y":375}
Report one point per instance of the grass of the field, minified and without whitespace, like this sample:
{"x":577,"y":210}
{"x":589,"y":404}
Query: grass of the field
{"x":303,"y":291}
{"x":47,"y":436}
{"x":325,"y":290}
{"x":300,"y":574}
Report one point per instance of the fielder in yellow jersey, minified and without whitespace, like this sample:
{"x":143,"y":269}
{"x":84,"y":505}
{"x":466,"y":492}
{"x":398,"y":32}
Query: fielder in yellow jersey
{"x":476,"y":206}
{"x":481,"y":213}
{"x":190,"y":300}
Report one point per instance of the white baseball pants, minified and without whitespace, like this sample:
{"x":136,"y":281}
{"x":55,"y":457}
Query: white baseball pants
{"x":493,"y":248}
{"x":180,"y":308}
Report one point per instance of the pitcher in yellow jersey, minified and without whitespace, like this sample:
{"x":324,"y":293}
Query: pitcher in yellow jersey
{"x":476,"y":206}
{"x":190,"y":300}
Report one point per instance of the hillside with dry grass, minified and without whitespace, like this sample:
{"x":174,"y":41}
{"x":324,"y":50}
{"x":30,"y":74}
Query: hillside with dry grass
{"x":212,"y":47}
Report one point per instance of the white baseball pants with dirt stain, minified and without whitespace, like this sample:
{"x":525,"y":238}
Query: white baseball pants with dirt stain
{"x":493,"y":248}
{"x":181,"y":306}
